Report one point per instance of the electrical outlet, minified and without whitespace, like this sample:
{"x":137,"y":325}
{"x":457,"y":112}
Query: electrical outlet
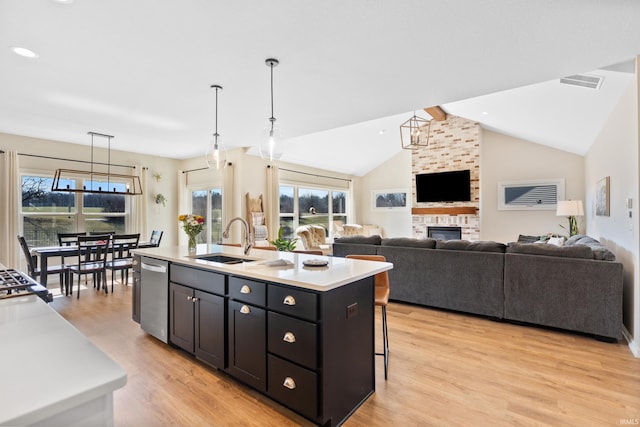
{"x":352,"y":310}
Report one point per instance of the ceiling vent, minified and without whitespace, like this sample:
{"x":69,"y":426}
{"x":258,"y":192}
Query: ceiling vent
{"x":584,"y":80}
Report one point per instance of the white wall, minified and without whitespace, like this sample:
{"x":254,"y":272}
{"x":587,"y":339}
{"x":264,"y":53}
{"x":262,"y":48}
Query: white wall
{"x":393,"y":174}
{"x":615,"y":154}
{"x":503,"y":158}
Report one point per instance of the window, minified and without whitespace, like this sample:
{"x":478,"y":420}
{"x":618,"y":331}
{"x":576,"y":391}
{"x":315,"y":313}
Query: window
{"x":46,"y":213}
{"x":208,"y":203}
{"x":304,"y":205}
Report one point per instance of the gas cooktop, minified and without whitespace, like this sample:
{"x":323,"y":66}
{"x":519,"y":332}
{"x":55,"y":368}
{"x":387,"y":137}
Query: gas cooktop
{"x":14,"y":283}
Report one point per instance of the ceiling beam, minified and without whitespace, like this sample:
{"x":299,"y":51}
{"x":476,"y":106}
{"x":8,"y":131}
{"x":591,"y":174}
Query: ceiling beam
{"x":437,"y":113}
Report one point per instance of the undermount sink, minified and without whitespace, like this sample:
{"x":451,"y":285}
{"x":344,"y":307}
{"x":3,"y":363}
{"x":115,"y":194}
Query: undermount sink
{"x":224,"y":259}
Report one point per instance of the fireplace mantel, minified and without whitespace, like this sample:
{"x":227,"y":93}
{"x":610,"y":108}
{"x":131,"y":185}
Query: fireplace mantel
{"x":457,"y":210}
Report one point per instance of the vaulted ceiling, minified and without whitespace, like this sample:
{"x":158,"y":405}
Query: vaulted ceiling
{"x":141,"y":70}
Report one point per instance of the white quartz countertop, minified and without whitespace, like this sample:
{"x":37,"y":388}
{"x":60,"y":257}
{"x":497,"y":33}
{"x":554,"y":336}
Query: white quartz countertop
{"x":338,"y":271}
{"x":48,"y":366}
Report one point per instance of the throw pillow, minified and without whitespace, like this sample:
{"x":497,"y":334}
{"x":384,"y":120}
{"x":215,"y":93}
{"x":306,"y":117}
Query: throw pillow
{"x":557,"y":241}
{"x":527,"y":239}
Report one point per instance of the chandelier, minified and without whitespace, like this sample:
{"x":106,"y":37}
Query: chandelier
{"x":96,"y":181}
{"x":413,"y":134}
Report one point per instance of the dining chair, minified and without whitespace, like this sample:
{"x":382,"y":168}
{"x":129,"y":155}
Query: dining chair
{"x":35,"y":272}
{"x":69,"y":239}
{"x":381,"y":281}
{"x":92,"y":259}
{"x":121,"y":256}
{"x":156,"y":236}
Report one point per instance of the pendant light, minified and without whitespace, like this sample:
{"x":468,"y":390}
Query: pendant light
{"x":270,"y":148}
{"x":216,"y":154}
{"x":413,"y":134}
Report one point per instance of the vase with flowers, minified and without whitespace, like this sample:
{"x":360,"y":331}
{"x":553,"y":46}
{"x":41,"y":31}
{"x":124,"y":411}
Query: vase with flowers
{"x":192,"y":225}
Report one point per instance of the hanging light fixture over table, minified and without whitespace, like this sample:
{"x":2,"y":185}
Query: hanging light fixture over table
{"x":412,"y":133}
{"x":216,"y":154}
{"x":98,"y":182}
{"x":269,"y":146}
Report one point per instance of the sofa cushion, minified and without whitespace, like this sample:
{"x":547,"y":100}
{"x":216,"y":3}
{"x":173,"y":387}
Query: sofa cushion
{"x":410,"y":243}
{"x":465,"y":245}
{"x":487,"y":246}
{"x":600,"y":252}
{"x":453,"y":245}
{"x":362,"y":240}
{"x":527,"y":239}
{"x":575,"y":251}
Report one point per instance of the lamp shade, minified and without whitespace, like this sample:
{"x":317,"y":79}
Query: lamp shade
{"x":570,"y":208}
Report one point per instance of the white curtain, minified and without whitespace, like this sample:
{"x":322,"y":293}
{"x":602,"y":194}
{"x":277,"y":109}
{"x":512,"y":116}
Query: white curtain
{"x":351,"y":207}
{"x":272,"y":202}
{"x":141,"y":207}
{"x":183,"y":204}
{"x":227,"y":193}
{"x":10,"y":190}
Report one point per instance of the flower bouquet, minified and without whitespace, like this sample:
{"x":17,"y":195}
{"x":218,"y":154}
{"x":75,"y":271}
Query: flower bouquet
{"x":192,"y":225}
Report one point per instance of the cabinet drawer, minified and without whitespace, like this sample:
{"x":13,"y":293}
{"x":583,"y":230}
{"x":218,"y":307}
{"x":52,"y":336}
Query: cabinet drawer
{"x":293,"y":302}
{"x":293,"y":339}
{"x":293,"y":386}
{"x":203,"y":280}
{"x":247,"y":290}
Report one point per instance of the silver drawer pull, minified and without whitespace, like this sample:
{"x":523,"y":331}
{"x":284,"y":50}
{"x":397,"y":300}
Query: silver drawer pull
{"x":189,"y":297}
{"x":289,"y":300}
{"x":289,"y":383}
{"x":245,"y":309}
{"x":289,"y":337}
{"x":245,"y":289}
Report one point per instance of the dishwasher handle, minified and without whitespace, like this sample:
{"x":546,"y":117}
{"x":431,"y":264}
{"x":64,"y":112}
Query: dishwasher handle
{"x":154,"y":267}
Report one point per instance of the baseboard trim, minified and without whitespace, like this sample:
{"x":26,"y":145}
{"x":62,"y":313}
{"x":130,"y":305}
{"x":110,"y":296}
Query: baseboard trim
{"x":633,"y":344}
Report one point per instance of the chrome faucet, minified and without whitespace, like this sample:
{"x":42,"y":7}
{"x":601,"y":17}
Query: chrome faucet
{"x":248,"y":244}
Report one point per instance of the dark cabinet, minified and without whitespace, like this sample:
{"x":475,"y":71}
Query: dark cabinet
{"x":248,"y":332}
{"x":310,"y":350}
{"x":197,"y":318}
{"x":181,"y":317}
{"x":210,"y":328}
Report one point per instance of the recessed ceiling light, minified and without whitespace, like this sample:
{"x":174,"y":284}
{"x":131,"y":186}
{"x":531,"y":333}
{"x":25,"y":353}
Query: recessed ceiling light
{"x":484,"y":113}
{"x":63,"y":1}
{"x":381,"y":131}
{"x":22,"y":51}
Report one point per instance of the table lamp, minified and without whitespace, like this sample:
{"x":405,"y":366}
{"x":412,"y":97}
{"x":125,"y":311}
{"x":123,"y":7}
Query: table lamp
{"x":571,"y":209}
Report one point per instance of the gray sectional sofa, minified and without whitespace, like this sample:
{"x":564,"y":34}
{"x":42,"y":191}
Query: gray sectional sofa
{"x":577,"y":287}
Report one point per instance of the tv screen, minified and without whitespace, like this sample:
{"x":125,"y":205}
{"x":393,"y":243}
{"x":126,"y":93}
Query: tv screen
{"x":451,"y":186}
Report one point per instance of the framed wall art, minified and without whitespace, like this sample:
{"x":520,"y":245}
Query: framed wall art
{"x":384,"y":200}
{"x":602,"y":196}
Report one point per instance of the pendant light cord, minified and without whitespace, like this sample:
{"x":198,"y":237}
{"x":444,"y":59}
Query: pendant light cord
{"x":273,"y":119}
{"x":216,"y":134}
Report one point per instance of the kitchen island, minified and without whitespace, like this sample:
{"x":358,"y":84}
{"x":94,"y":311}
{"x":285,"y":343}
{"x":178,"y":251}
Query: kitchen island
{"x":52,"y":374}
{"x":297,"y":327}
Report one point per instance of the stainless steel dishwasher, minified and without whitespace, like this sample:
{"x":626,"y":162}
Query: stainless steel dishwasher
{"x":154,"y":297}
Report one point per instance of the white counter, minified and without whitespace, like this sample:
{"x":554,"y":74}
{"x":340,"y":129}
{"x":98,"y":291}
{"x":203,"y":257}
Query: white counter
{"x":51,"y":374}
{"x":338,"y":272}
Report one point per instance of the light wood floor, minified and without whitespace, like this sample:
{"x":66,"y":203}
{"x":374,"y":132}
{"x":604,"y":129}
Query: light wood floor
{"x":445,"y":369}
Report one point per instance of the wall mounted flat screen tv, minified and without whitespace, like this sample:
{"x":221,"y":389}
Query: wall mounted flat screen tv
{"x":450,"y":186}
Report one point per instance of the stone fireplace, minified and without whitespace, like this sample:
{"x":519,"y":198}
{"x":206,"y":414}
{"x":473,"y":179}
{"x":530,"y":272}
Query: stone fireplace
{"x":454,"y":144}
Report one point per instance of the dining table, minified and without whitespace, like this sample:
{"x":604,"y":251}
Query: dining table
{"x":46,"y":252}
